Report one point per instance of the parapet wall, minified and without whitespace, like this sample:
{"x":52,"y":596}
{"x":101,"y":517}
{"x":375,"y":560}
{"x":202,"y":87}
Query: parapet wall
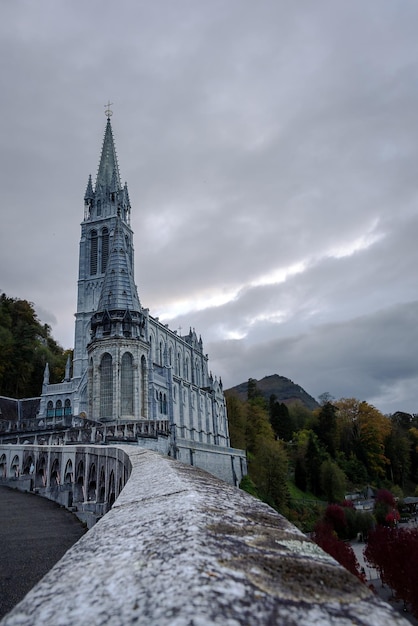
{"x":182,"y":548}
{"x":86,"y":479}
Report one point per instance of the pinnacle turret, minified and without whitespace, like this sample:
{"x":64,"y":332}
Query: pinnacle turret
{"x":89,"y":195}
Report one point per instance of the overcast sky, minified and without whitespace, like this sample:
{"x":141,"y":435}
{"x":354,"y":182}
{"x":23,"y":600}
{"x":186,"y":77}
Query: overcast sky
{"x":271,"y":155}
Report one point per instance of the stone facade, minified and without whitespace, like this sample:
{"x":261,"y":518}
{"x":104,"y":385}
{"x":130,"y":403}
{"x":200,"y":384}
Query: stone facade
{"x":127,"y":365}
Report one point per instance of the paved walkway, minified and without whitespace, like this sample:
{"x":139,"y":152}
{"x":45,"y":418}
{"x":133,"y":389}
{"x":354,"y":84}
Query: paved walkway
{"x":34,"y":534}
{"x":373,"y":578}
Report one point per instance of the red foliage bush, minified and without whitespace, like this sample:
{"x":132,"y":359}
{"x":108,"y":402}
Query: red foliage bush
{"x":342,"y":552}
{"x":334,"y":516}
{"x":394,"y":551}
{"x":386,"y":497}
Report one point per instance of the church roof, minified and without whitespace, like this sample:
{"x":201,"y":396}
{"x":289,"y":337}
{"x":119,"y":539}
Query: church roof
{"x":108,"y":173}
{"x":119,"y":290}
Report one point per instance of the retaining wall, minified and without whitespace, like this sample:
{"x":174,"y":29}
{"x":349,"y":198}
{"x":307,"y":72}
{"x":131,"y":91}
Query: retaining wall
{"x":182,"y":548}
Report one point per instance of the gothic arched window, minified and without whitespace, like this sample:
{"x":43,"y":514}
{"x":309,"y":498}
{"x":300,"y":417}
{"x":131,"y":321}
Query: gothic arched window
{"x":93,"y":252}
{"x":67,"y":407}
{"x":50,"y":409}
{"x":106,"y":386}
{"x":105,"y":249}
{"x":143,"y":385}
{"x":58,"y":408}
{"x":127,"y":384}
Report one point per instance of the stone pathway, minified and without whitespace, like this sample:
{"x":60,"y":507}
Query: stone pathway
{"x":372,"y":576}
{"x":34,"y":534}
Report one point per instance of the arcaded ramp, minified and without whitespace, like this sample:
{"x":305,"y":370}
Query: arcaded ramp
{"x":182,"y":548}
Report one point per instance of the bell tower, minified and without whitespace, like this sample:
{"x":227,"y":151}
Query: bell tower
{"x":104,"y":205}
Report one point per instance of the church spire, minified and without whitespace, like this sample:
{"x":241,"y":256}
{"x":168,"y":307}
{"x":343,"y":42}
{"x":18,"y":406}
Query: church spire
{"x":108,"y":167}
{"x":108,"y":196}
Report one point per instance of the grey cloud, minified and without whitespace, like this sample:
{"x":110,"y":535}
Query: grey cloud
{"x":253,"y":137}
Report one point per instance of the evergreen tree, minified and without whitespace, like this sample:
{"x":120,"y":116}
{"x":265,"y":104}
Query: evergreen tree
{"x":280,"y":420}
{"x":314,"y":457}
{"x":326,"y":427}
{"x":301,"y":475}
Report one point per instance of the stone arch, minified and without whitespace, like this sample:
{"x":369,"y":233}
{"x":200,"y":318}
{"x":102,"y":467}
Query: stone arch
{"x":92,"y":483}
{"x":40,"y":476}
{"x":3,"y":466}
{"x":68,"y":472}
{"x":67,"y":407}
{"x":79,"y":483}
{"x":102,"y":486}
{"x":58,"y":408}
{"x":28,"y":464}
{"x":111,"y":489}
{"x":50,"y":409}
{"x":15,"y":466}
{"x":54,"y":476}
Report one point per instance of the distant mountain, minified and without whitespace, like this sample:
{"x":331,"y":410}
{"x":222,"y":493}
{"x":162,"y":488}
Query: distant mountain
{"x":283,"y":388}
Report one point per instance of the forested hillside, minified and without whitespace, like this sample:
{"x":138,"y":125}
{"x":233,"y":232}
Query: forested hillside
{"x":26,"y":346}
{"x":284,"y":390}
{"x":295,"y":453}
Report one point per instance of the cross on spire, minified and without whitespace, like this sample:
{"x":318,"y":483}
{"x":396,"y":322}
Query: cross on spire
{"x":108,"y":111}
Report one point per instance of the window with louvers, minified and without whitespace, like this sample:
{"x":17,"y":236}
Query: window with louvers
{"x":93,"y":252}
{"x":105,"y":249}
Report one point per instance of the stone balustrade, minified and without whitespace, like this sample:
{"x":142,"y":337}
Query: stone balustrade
{"x":182,"y":548}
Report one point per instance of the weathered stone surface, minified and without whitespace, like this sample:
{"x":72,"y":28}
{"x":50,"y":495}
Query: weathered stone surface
{"x":181,"y":548}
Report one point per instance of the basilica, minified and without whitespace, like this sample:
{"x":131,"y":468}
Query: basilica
{"x":127,"y":366}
